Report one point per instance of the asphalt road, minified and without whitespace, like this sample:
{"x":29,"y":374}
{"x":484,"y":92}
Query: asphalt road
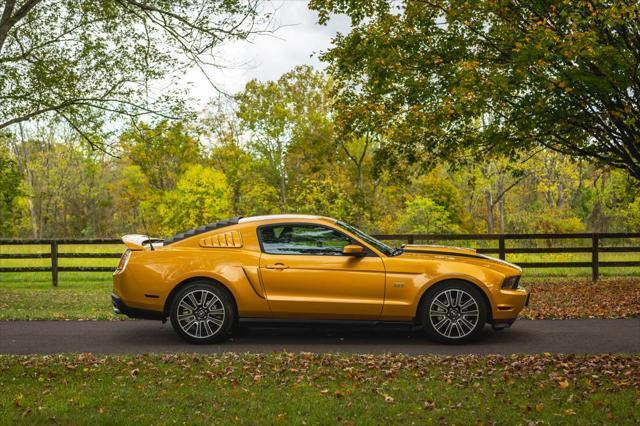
{"x":560,"y":336}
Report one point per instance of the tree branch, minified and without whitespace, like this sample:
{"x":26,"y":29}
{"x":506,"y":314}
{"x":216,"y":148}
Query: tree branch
{"x":8,"y":19}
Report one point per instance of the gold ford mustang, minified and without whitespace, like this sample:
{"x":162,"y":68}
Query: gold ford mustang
{"x":298,"y":267}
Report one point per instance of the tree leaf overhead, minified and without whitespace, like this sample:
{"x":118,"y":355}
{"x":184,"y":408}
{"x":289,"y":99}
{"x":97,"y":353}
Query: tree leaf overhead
{"x":92,"y":63}
{"x":456,"y":79}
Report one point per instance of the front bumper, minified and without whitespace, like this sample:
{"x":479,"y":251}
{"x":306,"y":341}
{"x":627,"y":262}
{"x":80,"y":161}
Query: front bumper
{"x":509,"y":303}
{"x":119,"y":307}
{"x":508,"y":313}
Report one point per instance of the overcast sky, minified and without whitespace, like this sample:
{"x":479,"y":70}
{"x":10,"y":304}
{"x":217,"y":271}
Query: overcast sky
{"x":299,"y":40}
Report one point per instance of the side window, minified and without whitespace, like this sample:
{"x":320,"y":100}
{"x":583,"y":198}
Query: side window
{"x":302,"y":239}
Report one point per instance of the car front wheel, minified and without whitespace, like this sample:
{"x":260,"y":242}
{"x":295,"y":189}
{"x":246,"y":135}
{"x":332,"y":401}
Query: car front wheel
{"x":202,"y":313}
{"x":453,"y":312}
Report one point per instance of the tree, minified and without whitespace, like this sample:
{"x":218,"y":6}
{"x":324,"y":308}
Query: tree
{"x":201,"y":196}
{"x":438,"y":186}
{"x":250,"y":193}
{"x":89,"y":63}
{"x":326,"y":197}
{"x":284,"y":117}
{"x":424,"y":216}
{"x":65,"y":187}
{"x":162,"y":152}
{"x":10,"y":190}
{"x":133,"y":198}
{"x":436,"y":78}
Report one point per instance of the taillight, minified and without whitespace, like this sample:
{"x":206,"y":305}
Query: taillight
{"x":124,"y":259}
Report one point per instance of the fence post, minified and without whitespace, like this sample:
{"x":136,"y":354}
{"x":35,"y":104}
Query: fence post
{"x":54,"y":263}
{"x":410,"y":239}
{"x":501,"y":247}
{"x":595,"y":266}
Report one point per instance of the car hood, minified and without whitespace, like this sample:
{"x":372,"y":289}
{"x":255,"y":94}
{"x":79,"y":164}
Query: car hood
{"x":415,"y":249}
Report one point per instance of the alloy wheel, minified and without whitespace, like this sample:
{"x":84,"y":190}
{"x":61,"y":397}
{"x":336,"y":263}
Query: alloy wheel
{"x":200,"y":313}
{"x":454,"y":313}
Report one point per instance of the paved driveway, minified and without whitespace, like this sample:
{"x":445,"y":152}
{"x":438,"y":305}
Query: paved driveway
{"x":560,"y":336}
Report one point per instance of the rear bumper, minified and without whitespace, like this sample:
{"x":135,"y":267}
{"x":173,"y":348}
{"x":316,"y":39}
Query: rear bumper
{"x":119,"y":307}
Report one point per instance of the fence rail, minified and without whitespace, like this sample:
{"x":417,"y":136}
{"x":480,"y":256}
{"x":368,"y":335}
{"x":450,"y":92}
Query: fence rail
{"x":595,"y":248}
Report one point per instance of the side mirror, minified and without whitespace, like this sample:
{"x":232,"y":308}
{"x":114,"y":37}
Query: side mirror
{"x":353,"y":250}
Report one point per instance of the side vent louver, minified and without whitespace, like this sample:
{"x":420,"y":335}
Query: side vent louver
{"x":231,"y":239}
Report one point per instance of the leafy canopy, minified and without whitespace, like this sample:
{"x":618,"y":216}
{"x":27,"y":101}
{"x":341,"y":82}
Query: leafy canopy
{"x":10,"y":189}
{"x":90,"y":63}
{"x":456,"y":78}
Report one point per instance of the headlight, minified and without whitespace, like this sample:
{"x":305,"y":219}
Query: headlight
{"x":511,"y":282}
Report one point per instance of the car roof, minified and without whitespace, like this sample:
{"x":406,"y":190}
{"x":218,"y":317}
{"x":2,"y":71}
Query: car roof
{"x":238,"y":220}
{"x":284,"y":216}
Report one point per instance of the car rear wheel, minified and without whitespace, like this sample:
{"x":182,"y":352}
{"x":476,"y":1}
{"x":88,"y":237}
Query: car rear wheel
{"x":454,"y":312}
{"x":202,"y":313}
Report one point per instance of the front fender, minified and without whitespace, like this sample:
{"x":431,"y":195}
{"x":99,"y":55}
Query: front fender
{"x":409,"y":279}
{"x":486,"y":289}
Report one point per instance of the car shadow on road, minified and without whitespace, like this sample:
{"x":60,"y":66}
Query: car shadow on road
{"x":362,"y":339}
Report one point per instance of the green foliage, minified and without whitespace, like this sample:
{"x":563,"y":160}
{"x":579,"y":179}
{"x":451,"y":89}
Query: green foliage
{"x":182,"y":175}
{"x":422,"y":215}
{"x":325,"y":197}
{"x":546,"y":221}
{"x":438,"y":187}
{"x":287,"y":119}
{"x":129,"y":188}
{"x":10,"y":192}
{"x":457,"y":78}
{"x":632,"y":214}
{"x":251,"y":194}
{"x":67,"y":189}
{"x":161,"y":152}
{"x":92,"y":63}
{"x":201,"y":196}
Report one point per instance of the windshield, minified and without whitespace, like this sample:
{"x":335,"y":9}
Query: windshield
{"x":389,"y":251}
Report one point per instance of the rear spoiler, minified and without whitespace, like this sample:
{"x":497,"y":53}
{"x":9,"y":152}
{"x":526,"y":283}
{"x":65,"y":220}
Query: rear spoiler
{"x":140,"y":242}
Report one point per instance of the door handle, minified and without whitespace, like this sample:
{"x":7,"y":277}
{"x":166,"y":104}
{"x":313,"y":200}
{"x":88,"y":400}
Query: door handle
{"x":277,"y":266}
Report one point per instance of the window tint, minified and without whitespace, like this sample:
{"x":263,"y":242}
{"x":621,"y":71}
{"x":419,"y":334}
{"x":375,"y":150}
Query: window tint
{"x":302,"y":239}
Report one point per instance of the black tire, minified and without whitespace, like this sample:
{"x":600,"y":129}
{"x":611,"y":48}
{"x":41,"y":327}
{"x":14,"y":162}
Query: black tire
{"x":453,"y":324}
{"x":212,"y":319}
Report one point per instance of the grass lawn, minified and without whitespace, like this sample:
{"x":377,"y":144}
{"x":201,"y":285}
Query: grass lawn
{"x":82,"y":295}
{"x":79,"y":295}
{"x":286,"y":388}
{"x":86,"y":295}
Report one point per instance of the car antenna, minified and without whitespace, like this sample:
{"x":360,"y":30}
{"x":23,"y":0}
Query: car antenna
{"x":146,"y":231}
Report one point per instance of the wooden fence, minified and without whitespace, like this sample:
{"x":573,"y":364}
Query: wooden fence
{"x":55,"y":255}
{"x":594,"y":248}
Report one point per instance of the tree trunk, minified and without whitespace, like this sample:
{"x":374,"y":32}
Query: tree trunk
{"x":501,"y":211}
{"x":5,"y":21}
{"x":236,"y":198}
{"x":32,"y":218}
{"x":488,"y":199}
{"x":283,"y":190}
{"x":560,"y":202}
